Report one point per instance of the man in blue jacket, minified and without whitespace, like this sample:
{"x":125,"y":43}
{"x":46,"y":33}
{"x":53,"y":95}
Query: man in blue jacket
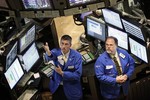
{"x":113,"y":83}
{"x":65,"y":81}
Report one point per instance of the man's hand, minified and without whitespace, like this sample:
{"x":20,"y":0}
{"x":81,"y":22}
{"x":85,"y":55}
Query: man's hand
{"x":59,"y":70}
{"x":121,"y":78}
{"x":124,"y":77}
{"x":46,"y":48}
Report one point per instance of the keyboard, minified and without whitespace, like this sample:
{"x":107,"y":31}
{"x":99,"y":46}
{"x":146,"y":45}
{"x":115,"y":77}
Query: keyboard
{"x":48,"y":70}
{"x":27,"y":94}
{"x":25,"y":79}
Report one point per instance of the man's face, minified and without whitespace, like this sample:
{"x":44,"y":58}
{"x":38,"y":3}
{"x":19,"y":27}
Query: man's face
{"x":110,"y":46}
{"x":65,"y":46}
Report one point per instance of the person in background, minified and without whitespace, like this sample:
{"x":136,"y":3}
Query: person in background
{"x":65,"y":81}
{"x":114,"y":75}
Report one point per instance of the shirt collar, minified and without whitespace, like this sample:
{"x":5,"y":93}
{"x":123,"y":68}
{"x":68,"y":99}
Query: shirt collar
{"x":116,"y":55}
{"x":66,"y":55}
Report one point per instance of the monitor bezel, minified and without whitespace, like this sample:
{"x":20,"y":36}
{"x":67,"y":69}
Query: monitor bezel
{"x":6,"y":52}
{"x":143,"y":44}
{"x":36,"y":9}
{"x":35,"y":61}
{"x":97,"y":21}
{"x":118,"y":41}
{"x":138,"y":25}
{"x":82,"y":4}
{"x":116,"y":12}
{"x":23,"y":33}
{"x":19,"y":78}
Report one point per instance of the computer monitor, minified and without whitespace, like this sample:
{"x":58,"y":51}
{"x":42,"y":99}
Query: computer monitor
{"x":134,"y":29}
{"x":73,"y":3}
{"x":120,"y":35}
{"x":96,"y":28}
{"x":138,"y":49}
{"x":112,"y":17}
{"x":30,"y":57}
{"x":14,"y":73}
{"x":37,"y":4}
{"x":9,"y":54}
{"x":27,"y":38}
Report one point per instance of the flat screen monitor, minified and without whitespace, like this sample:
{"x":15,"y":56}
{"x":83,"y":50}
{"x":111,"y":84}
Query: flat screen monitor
{"x":112,"y":17}
{"x":14,"y":73}
{"x":138,"y":50}
{"x":37,"y":4}
{"x":120,"y":35}
{"x":30,"y":57}
{"x":133,"y":29}
{"x":27,"y":38}
{"x":9,"y":54}
{"x":96,"y":28}
{"x":80,"y":2}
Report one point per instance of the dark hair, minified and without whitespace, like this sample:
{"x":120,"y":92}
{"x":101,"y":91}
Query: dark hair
{"x":111,"y":37}
{"x":66,"y":37}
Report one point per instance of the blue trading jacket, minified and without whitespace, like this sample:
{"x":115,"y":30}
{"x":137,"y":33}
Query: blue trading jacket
{"x":106,"y":73}
{"x":72,"y":73}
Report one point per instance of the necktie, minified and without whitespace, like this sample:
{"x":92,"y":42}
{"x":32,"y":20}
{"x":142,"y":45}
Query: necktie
{"x":117,"y":65}
{"x":64,"y":58}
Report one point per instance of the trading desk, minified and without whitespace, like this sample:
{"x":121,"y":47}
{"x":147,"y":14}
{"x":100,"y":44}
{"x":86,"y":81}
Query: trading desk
{"x":90,"y":84}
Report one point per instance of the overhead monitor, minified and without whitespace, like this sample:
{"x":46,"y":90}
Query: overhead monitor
{"x":96,"y":28}
{"x":120,"y":35}
{"x":27,"y":37}
{"x":9,"y":54}
{"x":112,"y":17}
{"x":14,"y":73}
{"x":138,"y":50}
{"x":37,"y":4}
{"x":73,"y":3}
{"x":133,"y":29}
{"x":30,"y":57}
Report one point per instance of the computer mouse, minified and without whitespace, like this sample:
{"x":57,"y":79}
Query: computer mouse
{"x":30,"y":81}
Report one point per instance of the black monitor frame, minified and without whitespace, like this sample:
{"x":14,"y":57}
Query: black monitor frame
{"x":119,"y":30}
{"x":140,"y":29}
{"x":22,"y":2}
{"x":19,"y":5}
{"x":101,"y":23}
{"x":15,"y":70}
{"x":24,"y":35}
{"x":27,"y":50}
{"x":142,"y":44}
{"x":8,"y":54}
{"x":116,"y":14}
{"x":82,"y":4}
